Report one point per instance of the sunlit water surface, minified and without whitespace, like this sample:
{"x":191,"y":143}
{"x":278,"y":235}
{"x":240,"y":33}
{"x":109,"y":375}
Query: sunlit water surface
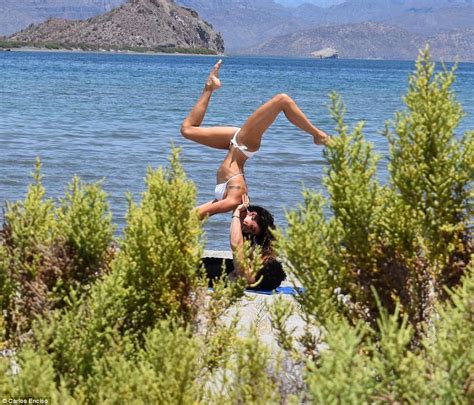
{"x":110,"y":116}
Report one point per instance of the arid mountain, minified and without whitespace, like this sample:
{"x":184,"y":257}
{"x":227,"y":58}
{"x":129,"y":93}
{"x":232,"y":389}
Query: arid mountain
{"x":435,"y":21}
{"x":17,"y":14}
{"x":135,"y":24}
{"x":454,"y":45}
{"x":244,"y":23}
{"x":370,"y":40}
{"x":249,"y":24}
{"x":424,"y":16}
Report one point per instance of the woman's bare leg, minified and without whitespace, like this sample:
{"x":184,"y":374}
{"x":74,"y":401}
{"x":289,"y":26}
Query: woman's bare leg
{"x":252,"y":131}
{"x":215,"y":137}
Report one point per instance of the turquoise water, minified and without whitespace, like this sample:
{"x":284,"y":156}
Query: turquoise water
{"x":108,"y":116}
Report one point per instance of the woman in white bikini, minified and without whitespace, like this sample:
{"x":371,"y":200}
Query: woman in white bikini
{"x":241,"y":144}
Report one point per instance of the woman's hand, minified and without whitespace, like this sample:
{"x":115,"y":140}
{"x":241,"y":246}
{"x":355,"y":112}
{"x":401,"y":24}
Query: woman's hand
{"x":243,"y":206}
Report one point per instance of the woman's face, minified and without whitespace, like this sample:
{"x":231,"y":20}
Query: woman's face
{"x":250,"y":224}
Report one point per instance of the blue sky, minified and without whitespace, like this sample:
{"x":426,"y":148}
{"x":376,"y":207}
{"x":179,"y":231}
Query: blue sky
{"x":321,"y":3}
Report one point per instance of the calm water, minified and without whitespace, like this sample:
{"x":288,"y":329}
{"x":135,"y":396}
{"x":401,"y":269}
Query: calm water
{"x":105,"y":116}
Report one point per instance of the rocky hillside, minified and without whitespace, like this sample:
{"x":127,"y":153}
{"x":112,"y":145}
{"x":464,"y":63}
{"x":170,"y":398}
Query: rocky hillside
{"x":17,"y":14}
{"x":369,"y":40}
{"x":364,"y":40}
{"x":421,"y":16}
{"x":135,"y":24}
{"x":454,"y":45}
{"x":245,"y":23}
{"x":248,"y":25}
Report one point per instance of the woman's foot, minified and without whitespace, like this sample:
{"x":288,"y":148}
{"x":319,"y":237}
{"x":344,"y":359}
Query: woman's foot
{"x":213,"y":82}
{"x":321,"y":138}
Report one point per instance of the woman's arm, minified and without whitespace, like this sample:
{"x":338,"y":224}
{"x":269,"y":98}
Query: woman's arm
{"x":216,"y":207}
{"x":237,"y":242}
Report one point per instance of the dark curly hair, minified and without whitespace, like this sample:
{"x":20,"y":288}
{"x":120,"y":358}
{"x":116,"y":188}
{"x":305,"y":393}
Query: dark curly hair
{"x":266,"y":224}
{"x":271,"y":275}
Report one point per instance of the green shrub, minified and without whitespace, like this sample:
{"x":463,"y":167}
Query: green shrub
{"x":135,"y":324}
{"x":247,"y":376}
{"x":154,"y":276}
{"x":161,"y":252}
{"x":85,"y":330}
{"x":27,"y":382}
{"x":311,"y":248}
{"x":341,"y":374}
{"x":431,"y":170}
{"x":163,"y":372}
{"x":408,"y":239}
{"x":28,"y":231}
{"x":361,"y":367}
{"x":450,"y":349}
{"x":85,"y":224}
{"x":47,"y":251}
{"x":30,"y":223}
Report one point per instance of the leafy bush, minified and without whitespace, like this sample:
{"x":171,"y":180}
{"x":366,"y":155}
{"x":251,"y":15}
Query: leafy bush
{"x":406,"y":240}
{"x":361,"y":367}
{"x":46,"y":251}
{"x":163,"y":371}
{"x":155,"y":274}
{"x":161,"y":252}
{"x":136,"y":323}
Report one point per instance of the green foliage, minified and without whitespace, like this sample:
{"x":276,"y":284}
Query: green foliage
{"x":161,"y":252}
{"x":85,"y":331}
{"x":427,"y":208}
{"x":362,"y":367}
{"x":85,"y":222}
{"x":247,"y":378}
{"x":30,"y":223}
{"x":29,"y":383}
{"x":155,"y":275}
{"x":450,"y":347}
{"x":342,"y":374}
{"x":162,"y":372}
{"x":309,"y":246}
{"x":406,"y":240}
{"x":136,"y":323}
{"x":400,"y":372}
{"x":47,"y":251}
{"x":219,"y":336}
{"x":430,"y":168}
{"x":29,"y":229}
{"x":353,"y":191}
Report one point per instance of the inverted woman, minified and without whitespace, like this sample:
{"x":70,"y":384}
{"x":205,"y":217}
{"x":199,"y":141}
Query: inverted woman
{"x":241,"y":143}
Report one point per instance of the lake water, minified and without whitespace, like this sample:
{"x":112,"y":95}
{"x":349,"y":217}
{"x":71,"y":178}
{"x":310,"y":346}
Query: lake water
{"x":110,"y":116}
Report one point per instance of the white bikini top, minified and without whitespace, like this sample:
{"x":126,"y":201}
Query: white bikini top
{"x":220,"y":189}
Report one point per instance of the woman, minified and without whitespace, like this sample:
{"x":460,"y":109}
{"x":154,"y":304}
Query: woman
{"x":241,"y":143}
{"x":244,"y":217}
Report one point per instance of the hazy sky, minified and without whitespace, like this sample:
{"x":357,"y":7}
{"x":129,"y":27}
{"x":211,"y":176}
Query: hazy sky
{"x":321,"y":3}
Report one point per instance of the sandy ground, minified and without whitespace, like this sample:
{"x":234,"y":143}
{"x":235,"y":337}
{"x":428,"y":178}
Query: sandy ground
{"x":253,"y":310}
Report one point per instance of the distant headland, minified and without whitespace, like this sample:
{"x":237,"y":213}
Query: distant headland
{"x":136,"y":26}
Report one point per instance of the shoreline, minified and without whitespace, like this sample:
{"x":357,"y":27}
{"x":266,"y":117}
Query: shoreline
{"x":102,"y":51}
{"x":156,"y":53}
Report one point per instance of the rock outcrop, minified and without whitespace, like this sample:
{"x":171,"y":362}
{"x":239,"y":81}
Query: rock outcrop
{"x":370,"y":41}
{"x":147,"y":24}
{"x":248,"y":23}
{"x":326,"y":53}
